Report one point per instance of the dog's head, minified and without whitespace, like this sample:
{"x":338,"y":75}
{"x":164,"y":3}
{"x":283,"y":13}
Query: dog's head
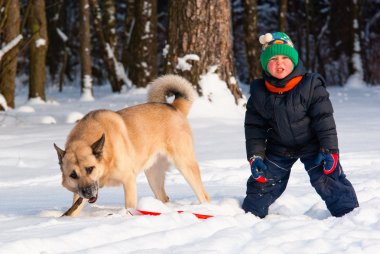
{"x":82,"y":167}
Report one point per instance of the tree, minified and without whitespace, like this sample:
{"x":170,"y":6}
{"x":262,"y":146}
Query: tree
{"x":341,"y":37}
{"x":143,"y":46}
{"x":251,"y":38}
{"x":282,"y":17}
{"x":85,"y":51}
{"x":199,"y":40}
{"x":114,"y":68}
{"x":38,"y":48}
{"x":8,"y":56}
{"x":129,"y":23}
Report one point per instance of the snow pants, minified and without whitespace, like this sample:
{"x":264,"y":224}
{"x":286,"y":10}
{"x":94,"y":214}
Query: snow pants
{"x":337,"y":192}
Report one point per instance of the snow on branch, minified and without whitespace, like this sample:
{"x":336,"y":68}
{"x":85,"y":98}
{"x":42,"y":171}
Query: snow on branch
{"x":10,"y":45}
{"x":183,"y":65}
{"x":62,"y":35}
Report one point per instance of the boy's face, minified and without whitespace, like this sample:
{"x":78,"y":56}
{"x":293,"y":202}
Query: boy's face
{"x":280,"y":66}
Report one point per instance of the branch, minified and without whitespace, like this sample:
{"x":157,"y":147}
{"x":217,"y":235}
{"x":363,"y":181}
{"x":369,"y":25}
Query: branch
{"x":13,"y":43}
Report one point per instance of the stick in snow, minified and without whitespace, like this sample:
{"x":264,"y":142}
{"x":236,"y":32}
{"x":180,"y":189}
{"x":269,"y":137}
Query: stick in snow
{"x":73,"y":207}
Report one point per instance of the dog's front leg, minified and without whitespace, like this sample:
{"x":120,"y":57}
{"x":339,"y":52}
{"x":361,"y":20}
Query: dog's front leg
{"x":130,"y":193}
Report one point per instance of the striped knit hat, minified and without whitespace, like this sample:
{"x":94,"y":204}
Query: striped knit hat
{"x":277,"y":43}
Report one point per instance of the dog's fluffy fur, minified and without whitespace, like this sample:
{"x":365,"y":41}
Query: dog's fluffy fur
{"x":108,"y":148}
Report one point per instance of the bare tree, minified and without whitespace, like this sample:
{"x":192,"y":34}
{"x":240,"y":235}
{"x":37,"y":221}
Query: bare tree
{"x":129,"y":24}
{"x":342,"y":37}
{"x":251,"y":38}
{"x":199,"y":39}
{"x":8,"y":56}
{"x":143,"y":46}
{"x":115,"y":70}
{"x":109,"y":14}
{"x":283,"y":11}
{"x":85,"y":50}
{"x":38,"y":48}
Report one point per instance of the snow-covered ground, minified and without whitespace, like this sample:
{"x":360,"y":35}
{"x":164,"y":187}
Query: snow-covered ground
{"x":32,"y":198}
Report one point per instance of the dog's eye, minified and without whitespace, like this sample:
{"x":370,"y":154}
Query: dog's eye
{"x":74,"y":175}
{"x":89,"y":170}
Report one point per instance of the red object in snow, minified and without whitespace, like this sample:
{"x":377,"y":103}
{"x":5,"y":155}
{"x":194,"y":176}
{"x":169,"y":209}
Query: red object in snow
{"x":199,"y":216}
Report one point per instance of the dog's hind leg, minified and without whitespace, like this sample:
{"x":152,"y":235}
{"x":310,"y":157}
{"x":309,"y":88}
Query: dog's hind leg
{"x":189,"y":168}
{"x":156,"y":177}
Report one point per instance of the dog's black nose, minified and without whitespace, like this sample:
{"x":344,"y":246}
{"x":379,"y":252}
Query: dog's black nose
{"x":88,"y":192}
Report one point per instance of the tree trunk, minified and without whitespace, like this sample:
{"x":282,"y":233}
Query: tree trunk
{"x":283,"y":12}
{"x":143,"y":47}
{"x":38,"y":48}
{"x":85,"y":50}
{"x":110,"y":23}
{"x":115,"y":74}
{"x":251,"y":38}
{"x":200,"y":39}
{"x":342,"y":37}
{"x":128,"y":28}
{"x":8,"y":63}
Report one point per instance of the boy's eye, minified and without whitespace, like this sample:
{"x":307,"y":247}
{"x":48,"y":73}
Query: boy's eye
{"x":74,"y":175}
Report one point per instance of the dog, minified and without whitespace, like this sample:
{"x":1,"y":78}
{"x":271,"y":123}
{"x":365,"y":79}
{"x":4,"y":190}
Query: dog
{"x":108,"y":148}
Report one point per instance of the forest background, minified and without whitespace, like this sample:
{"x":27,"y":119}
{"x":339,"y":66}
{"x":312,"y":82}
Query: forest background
{"x":128,"y":43}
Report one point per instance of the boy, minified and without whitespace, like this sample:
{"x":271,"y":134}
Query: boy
{"x":289,"y":117}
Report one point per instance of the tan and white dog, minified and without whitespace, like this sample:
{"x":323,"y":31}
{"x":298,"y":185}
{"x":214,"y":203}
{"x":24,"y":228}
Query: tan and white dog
{"x":108,"y":148}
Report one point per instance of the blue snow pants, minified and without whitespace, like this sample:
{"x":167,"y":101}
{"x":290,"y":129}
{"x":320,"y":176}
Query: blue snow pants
{"x":337,"y":192}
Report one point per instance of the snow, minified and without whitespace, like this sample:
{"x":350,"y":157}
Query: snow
{"x":40,"y":42}
{"x":183,"y":65}
{"x":32,"y":198}
{"x":10,"y":45}
{"x":3,"y":102}
{"x":87,"y":89}
{"x":62,"y":35}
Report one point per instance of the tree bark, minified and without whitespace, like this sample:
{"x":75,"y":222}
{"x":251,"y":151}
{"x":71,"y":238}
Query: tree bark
{"x":251,"y":38}
{"x":110,"y":23}
{"x":200,"y":38}
{"x":128,"y":28}
{"x":342,"y":37}
{"x":143,"y":47}
{"x":283,"y":11}
{"x":38,"y":48}
{"x":108,"y":55}
{"x":8,"y":63}
{"x":85,"y":50}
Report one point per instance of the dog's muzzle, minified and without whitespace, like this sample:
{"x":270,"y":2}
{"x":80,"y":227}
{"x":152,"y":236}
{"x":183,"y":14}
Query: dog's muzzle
{"x":89,"y":192}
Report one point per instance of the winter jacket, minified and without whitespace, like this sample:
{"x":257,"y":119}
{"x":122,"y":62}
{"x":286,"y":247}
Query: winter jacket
{"x":295,"y":123}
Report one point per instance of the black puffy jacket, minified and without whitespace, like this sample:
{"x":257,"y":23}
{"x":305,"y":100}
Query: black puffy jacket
{"x":292,"y":124}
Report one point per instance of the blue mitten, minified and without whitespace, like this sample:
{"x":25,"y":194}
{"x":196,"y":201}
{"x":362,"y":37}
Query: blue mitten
{"x":257,"y":167}
{"x":329,"y":158}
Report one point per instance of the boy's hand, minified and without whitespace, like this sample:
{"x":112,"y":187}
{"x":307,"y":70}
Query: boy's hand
{"x":329,"y":158}
{"x":257,"y":167}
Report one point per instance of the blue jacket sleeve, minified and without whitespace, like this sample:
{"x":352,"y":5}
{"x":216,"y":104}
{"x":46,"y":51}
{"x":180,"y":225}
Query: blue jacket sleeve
{"x":321,"y":113}
{"x":255,"y":127}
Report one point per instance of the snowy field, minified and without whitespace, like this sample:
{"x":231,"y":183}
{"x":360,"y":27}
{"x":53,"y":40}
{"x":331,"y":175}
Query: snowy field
{"x":32,"y":198}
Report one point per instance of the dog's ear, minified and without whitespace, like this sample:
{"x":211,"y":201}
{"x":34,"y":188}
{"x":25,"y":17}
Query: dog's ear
{"x":97,"y":147}
{"x":60,"y":154}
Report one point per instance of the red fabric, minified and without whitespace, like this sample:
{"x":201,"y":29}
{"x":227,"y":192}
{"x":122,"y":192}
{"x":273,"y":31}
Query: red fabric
{"x":335,"y":159}
{"x":199,"y":216}
{"x":290,"y":85}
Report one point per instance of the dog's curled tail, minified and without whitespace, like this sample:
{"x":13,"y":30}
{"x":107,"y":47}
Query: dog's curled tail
{"x":168,"y":85}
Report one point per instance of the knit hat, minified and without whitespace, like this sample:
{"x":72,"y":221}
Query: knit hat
{"x":277,"y":43}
